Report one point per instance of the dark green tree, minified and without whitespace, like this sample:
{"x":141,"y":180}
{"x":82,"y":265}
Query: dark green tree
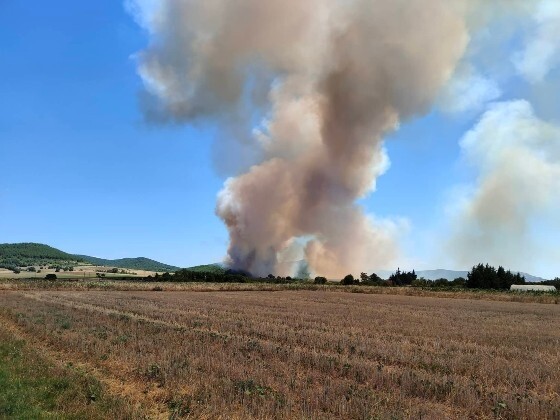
{"x":348,"y":280}
{"x":320,"y":280}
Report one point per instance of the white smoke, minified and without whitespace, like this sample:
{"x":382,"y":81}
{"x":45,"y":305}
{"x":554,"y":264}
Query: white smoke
{"x":541,"y":53}
{"x":517,"y":159}
{"x":468,"y":91}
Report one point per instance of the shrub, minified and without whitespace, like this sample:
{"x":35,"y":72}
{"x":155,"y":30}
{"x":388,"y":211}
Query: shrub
{"x":320,"y":280}
{"x":348,"y":280}
{"x":459,"y":282}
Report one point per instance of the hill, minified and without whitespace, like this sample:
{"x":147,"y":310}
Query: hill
{"x":31,"y":254}
{"x":208,"y":268}
{"x":139,"y":263}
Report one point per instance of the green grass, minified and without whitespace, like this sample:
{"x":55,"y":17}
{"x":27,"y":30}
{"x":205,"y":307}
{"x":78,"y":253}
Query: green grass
{"x":33,"y":388}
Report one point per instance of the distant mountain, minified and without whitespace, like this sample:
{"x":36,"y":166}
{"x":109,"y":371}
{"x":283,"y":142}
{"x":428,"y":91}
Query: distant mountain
{"x":139,"y":263}
{"x":33,"y":254}
{"x":441,"y":274}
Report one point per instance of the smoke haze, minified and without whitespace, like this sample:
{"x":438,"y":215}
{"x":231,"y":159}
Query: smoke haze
{"x":517,"y":159}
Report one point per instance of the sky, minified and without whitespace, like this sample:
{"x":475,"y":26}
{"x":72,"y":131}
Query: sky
{"x":83,"y":171}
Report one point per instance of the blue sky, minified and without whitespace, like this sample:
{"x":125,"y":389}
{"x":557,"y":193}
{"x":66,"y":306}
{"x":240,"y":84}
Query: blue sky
{"x":83,"y":172}
{"x":80,"y":169}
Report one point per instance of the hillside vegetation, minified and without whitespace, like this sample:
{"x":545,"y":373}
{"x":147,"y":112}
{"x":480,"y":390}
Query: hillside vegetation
{"x":208,"y":268}
{"x":32,"y":254}
{"x":140,"y":263}
{"x":15,"y":256}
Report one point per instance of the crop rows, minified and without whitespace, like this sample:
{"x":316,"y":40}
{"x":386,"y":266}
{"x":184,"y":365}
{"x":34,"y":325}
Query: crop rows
{"x":306,"y":354}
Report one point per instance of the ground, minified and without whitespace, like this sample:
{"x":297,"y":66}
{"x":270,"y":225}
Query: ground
{"x":321,"y":353}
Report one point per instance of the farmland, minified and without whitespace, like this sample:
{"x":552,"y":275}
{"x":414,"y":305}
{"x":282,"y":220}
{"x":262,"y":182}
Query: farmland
{"x":303,"y":354}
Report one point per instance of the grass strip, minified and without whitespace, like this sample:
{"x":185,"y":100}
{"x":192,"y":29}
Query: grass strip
{"x":31,"y":387}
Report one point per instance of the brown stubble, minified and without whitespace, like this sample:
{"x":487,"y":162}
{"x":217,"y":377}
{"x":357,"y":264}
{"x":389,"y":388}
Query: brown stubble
{"x":307,"y":354}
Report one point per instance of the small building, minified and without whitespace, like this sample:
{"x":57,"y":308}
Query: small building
{"x":531,"y":288}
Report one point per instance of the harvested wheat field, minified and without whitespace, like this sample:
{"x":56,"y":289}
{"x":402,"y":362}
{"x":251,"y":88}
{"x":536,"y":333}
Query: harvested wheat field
{"x":300,"y":354}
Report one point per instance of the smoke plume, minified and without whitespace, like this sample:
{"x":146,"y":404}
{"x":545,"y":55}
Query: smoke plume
{"x":517,"y":159}
{"x":541,"y":53}
{"x":328,"y":79}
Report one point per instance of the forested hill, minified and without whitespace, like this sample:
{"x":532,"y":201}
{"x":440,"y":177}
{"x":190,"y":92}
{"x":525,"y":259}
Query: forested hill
{"x":33,"y":254}
{"x":208,"y":268}
{"x":28,"y":254}
{"x":140,"y":263}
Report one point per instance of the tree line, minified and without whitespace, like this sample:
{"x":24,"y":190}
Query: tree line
{"x":481,"y":276}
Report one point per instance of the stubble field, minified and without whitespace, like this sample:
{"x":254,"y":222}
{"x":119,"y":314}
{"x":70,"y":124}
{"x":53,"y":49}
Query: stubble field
{"x":300,"y":354}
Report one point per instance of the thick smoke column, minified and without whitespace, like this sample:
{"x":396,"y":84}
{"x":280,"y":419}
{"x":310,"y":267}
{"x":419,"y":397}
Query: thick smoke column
{"x":337,"y":76}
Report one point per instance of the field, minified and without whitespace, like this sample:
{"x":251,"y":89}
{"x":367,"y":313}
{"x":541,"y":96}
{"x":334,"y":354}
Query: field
{"x":298,"y":353}
{"x":80,"y":272}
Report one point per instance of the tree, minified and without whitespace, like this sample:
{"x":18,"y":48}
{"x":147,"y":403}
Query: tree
{"x":441,"y":282}
{"x":459,"y":282}
{"x":487,"y":277}
{"x":402,"y":278}
{"x":320,"y":280}
{"x":51,"y":276}
{"x":347,"y":280}
{"x":371,"y":280}
{"x":374,"y":278}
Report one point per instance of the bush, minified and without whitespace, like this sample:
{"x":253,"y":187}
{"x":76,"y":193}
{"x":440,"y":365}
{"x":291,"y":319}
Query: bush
{"x":51,"y":277}
{"x":320,"y":280}
{"x":459,"y":282}
{"x":348,"y":280}
{"x":441,"y":282}
{"x":372,"y":280}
